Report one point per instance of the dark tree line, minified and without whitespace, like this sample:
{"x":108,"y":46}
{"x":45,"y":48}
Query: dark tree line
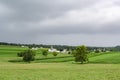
{"x":60,"y":47}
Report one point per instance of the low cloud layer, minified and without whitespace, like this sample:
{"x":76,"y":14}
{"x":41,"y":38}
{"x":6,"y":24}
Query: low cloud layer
{"x":65,"y":22}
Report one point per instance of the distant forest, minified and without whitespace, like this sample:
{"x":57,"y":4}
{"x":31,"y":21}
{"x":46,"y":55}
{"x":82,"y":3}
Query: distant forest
{"x":60,"y":47}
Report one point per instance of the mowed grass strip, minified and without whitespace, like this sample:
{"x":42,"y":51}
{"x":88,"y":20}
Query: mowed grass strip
{"x":55,"y":59}
{"x":107,"y":58}
{"x":60,"y":71}
{"x":10,"y":51}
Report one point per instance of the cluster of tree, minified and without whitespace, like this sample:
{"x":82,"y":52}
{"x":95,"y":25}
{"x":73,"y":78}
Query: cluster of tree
{"x":80,"y":53}
{"x":29,"y":55}
{"x":45,"y":53}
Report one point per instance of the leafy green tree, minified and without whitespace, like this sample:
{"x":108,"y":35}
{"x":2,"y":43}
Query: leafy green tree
{"x":55,"y":53}
{"x":45,"y":52}
{"x":81,"y":54}
{"x":28,"y":56}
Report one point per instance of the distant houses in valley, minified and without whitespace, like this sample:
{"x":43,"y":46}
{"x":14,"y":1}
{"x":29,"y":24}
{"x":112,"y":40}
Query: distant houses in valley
{"x":100,"y":50}
{"x":64,"y":51}
{"x":35,"y":48}
{"x":22,"y":46}
{"x":55,"y":50}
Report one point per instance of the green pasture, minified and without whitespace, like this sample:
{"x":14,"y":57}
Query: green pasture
{"x":101,"y":66}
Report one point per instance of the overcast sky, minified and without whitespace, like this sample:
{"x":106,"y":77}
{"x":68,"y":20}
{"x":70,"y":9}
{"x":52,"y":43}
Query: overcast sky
{"x":64,"y":22}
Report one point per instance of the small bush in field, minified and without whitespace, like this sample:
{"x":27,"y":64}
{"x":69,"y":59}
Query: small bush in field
{"x":44,"y":52}
{"x":55,"y":53}
{"x":28,"y":56}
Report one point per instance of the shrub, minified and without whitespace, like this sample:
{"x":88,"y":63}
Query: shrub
{"x":28,"y":56}
{"x":70,"y":52}
{"x":45,"y":52}
{"x":55,"y":53}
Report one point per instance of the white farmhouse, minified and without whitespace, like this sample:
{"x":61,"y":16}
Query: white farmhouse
{"x":53,"y":50}
{"x":34,"y":48}
{"x":22,"y":46}
{"x":64,"y":51}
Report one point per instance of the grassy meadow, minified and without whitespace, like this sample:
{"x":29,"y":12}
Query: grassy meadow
{"x":101,"y":66}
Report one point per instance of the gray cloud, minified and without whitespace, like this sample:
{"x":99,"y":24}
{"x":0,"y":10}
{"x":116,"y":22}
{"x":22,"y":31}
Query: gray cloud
{"x":37,"y":10}
{"x":60,"y":21}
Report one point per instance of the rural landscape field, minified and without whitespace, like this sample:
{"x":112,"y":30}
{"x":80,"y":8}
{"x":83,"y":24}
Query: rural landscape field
{"x":59,"y":39}
{"x":101,"y":66}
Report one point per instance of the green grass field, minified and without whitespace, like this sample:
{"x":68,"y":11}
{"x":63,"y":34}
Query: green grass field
{"x":101,"y":66}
